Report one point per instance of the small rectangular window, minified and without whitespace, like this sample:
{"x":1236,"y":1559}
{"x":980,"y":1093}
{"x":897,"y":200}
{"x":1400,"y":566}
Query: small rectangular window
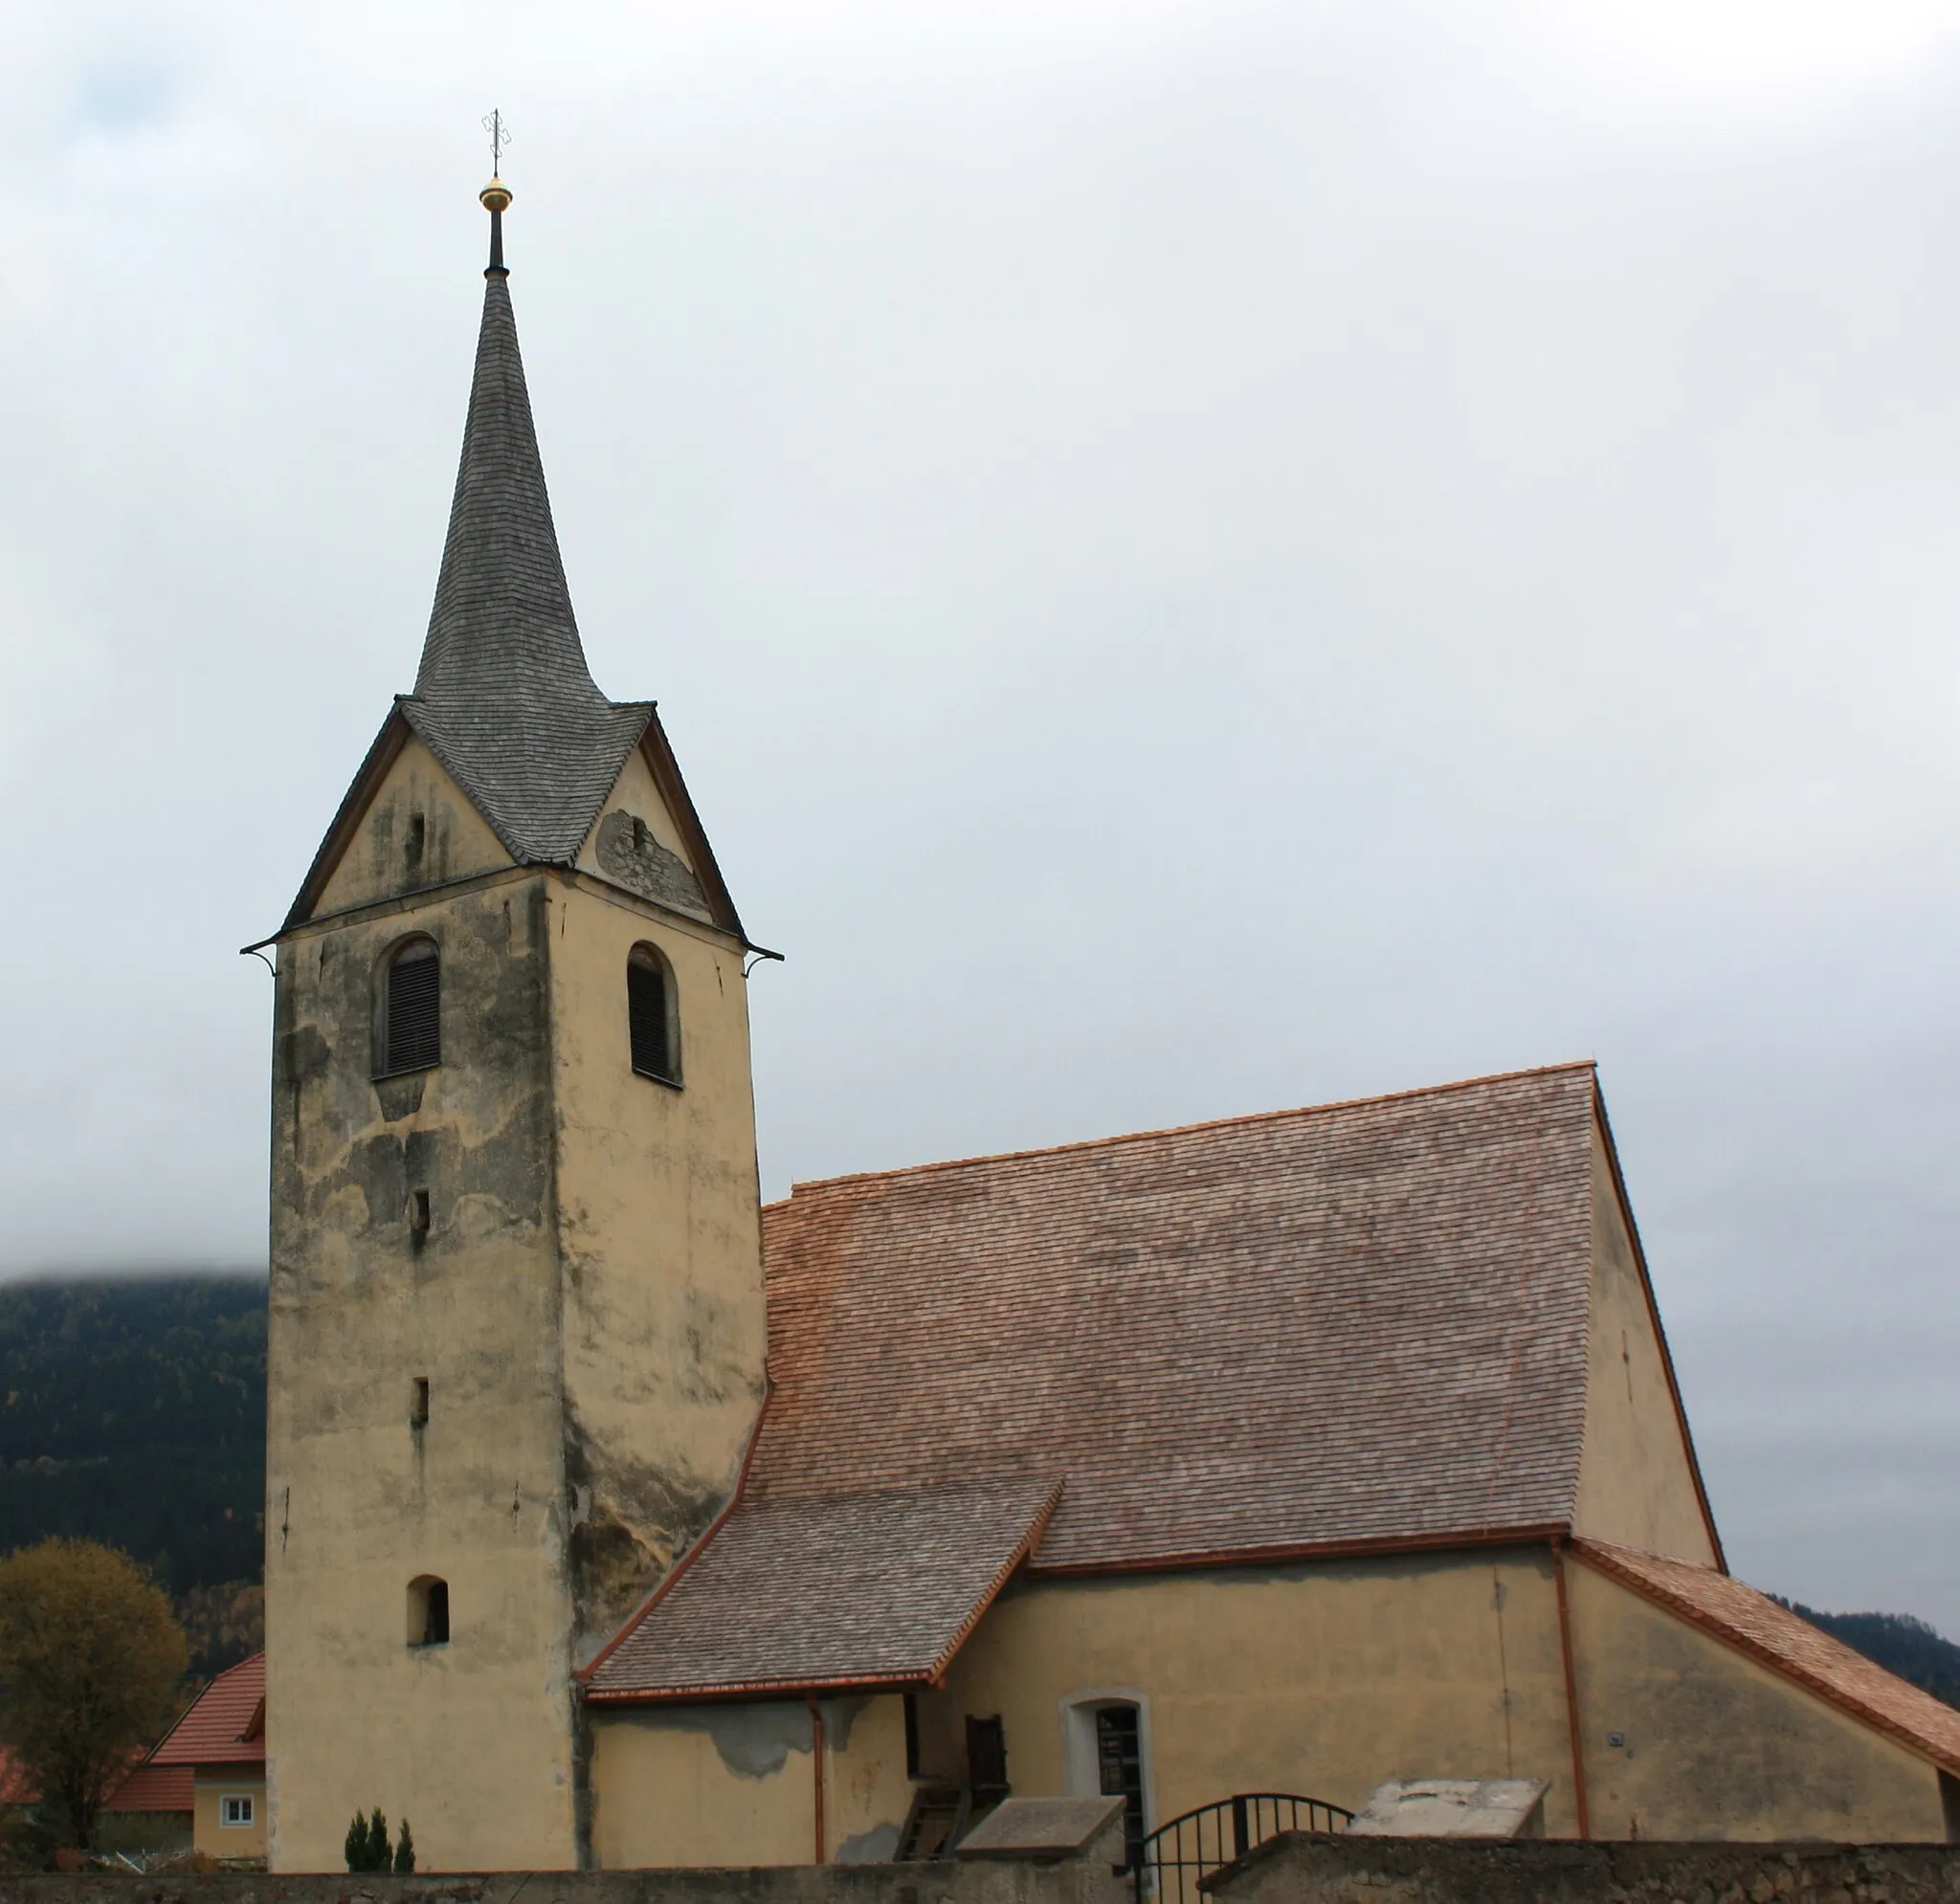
{"x":418,"y":834}
{"x":418,"y":1402}
{"x":419,"y":1212}
{"x":238,"y":1808}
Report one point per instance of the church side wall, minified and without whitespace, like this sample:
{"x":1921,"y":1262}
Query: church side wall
{"x":1715,"y":1746}
{"x":1636,"y":1485}
{"x":471,"y":1739}
{"x":1320,"y":1679}
{"x":659,"y":1234}
{"x":735,"y":1783}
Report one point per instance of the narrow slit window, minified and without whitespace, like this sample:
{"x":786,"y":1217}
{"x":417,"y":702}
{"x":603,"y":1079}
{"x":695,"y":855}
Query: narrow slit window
{"x":418,"y":1402}
{"x":419,"y":1212}
{"x":653,"y":1027}
{"x":412,"y":1031}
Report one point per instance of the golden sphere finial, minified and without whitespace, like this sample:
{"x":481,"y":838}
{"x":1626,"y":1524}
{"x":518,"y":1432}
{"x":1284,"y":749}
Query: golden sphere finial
{"x":496,"y":196}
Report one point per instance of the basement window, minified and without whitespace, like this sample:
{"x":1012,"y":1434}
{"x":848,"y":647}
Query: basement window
{"x":427,"y":1611}
{"x":411,"y":1008}
{"x":652,"y":1021}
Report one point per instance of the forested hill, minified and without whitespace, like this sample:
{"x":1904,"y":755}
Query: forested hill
{"x":1899,"y":1643}
{"x":133,"y":1411}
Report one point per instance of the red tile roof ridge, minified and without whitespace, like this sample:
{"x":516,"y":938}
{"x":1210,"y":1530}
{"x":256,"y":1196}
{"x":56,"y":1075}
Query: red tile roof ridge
{"x":1203,"y":1124}
{"x":1786,"y":1643}
{"x":213,"y":1729}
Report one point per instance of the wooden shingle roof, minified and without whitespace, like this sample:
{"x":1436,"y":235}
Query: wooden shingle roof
{"x":828,"y":1591}
{"x":1311,"y":1330}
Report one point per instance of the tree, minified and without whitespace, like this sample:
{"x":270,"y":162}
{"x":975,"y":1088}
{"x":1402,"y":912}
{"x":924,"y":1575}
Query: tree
{"x":405,"y":1850}
{"x":367,"y":1843}
{"x":90,"y":1657}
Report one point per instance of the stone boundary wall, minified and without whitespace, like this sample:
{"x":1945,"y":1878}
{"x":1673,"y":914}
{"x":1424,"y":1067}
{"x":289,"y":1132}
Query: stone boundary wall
{"x":1005,"y":1881}
{"x":1301,"y":1869}
{"x":1290,"y":1870}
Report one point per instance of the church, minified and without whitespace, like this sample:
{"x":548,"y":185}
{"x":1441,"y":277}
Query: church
{"x":616,"y":1520}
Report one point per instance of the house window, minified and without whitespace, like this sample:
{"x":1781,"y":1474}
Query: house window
{"x":427,"y":1611}
{"x":237,"y":1808}
{"x":412,"y":1009}
{"x":652,"y":1024}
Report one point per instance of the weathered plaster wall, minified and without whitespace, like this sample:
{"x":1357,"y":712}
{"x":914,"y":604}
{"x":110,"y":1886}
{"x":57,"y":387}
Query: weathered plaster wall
{"x":209,"y":1829}
{"x":381,"y":860}
{"x":635,"y":793}
{"x":1636,"y":1486}
{"x":660,"y":1240}
{"x":1716,"y":1746}
{"x":471,"y":1740}
{"x":735,"y":1783}
{"x":1322,"y":1679}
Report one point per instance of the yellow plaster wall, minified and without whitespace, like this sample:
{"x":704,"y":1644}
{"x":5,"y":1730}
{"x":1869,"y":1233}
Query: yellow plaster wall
{"x":1320,"y":1679}
{"x":209,"y":1831}
{"x":1716,"y":1746}
{"x":1636,"y":1486}
{"x":457,"y":841}
{"x":471,"y":1740}
{"x":658,"y":1215}
{"x":733,"y":1783}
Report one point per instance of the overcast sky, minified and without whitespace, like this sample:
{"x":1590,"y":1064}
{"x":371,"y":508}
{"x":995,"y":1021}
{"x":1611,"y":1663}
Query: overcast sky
{"x":1198,"y":558}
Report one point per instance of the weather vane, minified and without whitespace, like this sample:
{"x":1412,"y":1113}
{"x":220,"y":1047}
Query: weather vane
{"x":499,"y":141}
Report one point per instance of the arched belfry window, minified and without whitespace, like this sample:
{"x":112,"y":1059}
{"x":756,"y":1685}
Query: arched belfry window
{"x":411,"y":1008}
{"x":653,"y":1023}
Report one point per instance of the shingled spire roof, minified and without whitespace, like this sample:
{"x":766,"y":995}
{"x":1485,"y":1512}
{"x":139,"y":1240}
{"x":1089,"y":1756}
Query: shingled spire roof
{"x":503,"y":698}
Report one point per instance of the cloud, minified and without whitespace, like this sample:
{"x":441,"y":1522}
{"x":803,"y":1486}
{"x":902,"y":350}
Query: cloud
{"x":1198,"y":558}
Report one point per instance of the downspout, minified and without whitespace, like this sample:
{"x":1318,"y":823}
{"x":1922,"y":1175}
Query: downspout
{"x":816,"y":1749}
{"x":1564,"y":1643}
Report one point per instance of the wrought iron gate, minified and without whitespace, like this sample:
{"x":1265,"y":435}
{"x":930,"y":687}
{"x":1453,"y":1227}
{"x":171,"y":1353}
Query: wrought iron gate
{"x":1173,"y":1859}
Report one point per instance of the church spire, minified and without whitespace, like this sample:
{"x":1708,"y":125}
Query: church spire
{"x":503,"y":697}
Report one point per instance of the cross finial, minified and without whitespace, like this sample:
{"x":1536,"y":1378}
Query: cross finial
{"x":500,"y":140}
{"x":496,"y":196}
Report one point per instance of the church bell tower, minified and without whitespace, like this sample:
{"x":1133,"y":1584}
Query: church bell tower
{"x":517,"y":1325}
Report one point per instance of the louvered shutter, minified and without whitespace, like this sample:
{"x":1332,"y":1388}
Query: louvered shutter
{"x":414,"y":1011}
{"x":646,"y":1008}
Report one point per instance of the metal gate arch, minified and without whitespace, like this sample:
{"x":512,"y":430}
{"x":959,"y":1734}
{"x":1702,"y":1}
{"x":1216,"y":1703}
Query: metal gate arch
{"x":1173,"y":1860}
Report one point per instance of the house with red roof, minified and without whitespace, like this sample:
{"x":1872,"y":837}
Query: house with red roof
{"x":217,"y":1750}
{"x":159,"y":1796}
{"x":1230,"y":1471}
